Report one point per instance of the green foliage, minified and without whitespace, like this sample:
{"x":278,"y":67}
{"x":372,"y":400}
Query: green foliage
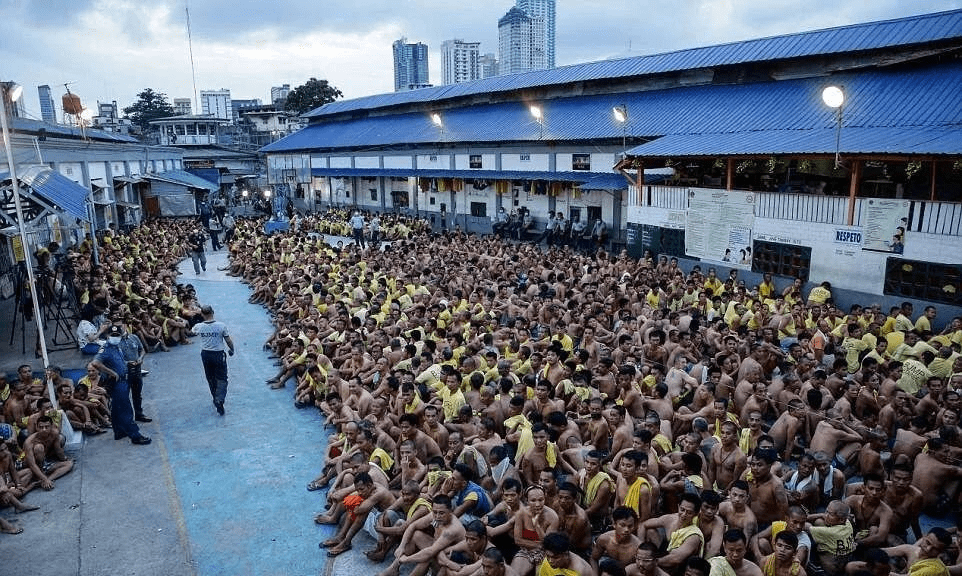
{"x":312,"y":94}
{"x":149,"y":106}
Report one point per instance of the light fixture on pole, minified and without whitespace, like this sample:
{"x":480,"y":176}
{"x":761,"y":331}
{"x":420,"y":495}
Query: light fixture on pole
{"x":621,"y":116}
{"x":13,"y":91}
{"x":538,"y":115}
{"x":834,"y":97}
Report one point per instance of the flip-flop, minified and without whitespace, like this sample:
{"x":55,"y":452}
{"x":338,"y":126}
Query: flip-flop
{"x":334,"y":553}
{"x":314,"y":486}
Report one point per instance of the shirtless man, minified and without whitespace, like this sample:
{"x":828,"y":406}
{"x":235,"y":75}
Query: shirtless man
{"x":596,"y":485}
{"x":905,"y":501}
{"x":873,"y":517}
{"x":426,"y":538}
{"x":727,"y":461}
{"x":733,"y":563}
{"x":936,"y":477}
{"x":735,"y":511}
{"x":684,"y":537}
{"x":44,"y":454}
{"x":559,"y":559}
{"x":367,"y":497}
{"x":645,"y":562}
{"x":785,"y":430}
{"x":833,"y":437}
{"x":710,"y":524}
{"x":620,"y":542}
{"x":769,"y":501}
{"x":923,"y":557}
{"x":391,"y":525}
{"x":782,"y":562}
{"x":572,"y":518}
{"x":633,"y":486}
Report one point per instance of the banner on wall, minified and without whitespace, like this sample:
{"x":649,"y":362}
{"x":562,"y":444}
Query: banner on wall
{"x":718,"y":226}
{"x":885,"y":222}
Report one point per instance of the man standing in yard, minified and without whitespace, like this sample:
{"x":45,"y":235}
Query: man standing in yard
{"x":214,"y":335}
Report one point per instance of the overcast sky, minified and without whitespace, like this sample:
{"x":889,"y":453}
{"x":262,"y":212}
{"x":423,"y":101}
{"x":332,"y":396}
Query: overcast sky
{"x":112,"y":49}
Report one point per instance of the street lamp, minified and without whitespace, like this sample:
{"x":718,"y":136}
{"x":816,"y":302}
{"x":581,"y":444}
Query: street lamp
{"x":538,"y":115}
{"x":14,"y":92}
{"x":834,"y":97}
{"x":621,"y":116}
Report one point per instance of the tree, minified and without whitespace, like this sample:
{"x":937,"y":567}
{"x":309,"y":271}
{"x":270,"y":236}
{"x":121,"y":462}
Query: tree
{"x":149,"y":106}
{"x":312,"y":94}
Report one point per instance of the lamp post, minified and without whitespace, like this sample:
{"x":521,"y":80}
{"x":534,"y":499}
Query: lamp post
{"x":621,"y":116}
{"x":834,"y":97}
{"x":538,"y":115}
{"x":14,"y":93}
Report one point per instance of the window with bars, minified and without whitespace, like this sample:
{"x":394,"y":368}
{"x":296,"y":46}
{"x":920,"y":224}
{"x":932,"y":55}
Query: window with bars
{"x":923,"y":280}
{"x":782,"y":259}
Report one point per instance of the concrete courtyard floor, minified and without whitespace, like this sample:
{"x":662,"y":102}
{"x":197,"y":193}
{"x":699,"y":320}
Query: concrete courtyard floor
{"x":212,"y":496}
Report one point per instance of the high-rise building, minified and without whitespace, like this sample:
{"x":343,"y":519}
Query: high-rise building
{"x":460,"y":61}
{"x":279,"y":94}
{"x":108,"y":110}
{"x":183,"y":107}
{"x":239,"y":106}
{"x":543,"y":9}
{"x":521,"y":43}
{"x":216,"y":103}
{"x":410,"y":65}
{"x":15,"y":109}
{"x":489,"y":65}
{"x":48,"y":111}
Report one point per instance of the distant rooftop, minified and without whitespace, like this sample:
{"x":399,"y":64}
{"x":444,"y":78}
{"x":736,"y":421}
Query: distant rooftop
{"x":907,"y":31}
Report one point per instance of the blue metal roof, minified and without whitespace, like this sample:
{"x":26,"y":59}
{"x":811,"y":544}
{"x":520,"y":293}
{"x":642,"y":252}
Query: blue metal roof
{"x":918,"y":98}
{"x":56,"y":190}
{"x":587,"y":180}
{"x":183,"y":178}
{"x":857,"y":37}
{"x":856,"y":140}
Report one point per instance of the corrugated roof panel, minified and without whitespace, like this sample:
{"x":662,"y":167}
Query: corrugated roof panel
{"x":185,"y":178}
{"x":57,"y":190}
{"x":854,"y":141}
{"x":929,"y":96}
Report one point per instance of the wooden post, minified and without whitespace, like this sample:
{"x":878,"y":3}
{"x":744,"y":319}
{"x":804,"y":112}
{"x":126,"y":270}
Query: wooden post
{"x":853,"y":189}
{"x":730,"y":175}
{"x":932,"y":193}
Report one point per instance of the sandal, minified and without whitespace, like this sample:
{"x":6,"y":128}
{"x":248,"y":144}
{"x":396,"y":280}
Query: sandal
{"x":314,"y":486}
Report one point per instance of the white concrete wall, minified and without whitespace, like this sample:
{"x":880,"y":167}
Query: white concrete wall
{"x":340,"y":161}
{"x":402,"y":162}
{"x":843,"y":264}
{"x":367,"y":161}
{"x":319,"y":161}
{"x":434,"y":161}
{"x":535,"y":162}
{"x":72,"y":170}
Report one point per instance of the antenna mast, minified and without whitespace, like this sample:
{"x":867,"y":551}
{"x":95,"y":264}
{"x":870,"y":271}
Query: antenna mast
{"x":190,"y":50}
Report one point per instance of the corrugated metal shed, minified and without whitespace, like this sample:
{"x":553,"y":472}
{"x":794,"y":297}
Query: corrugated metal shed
{"x":54,"y":189}
{"x":183,"y":178}
{"x":857,"y":37}
{"x":915,"y":99}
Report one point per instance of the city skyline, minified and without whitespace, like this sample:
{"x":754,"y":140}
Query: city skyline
{"x":249,"y":48}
